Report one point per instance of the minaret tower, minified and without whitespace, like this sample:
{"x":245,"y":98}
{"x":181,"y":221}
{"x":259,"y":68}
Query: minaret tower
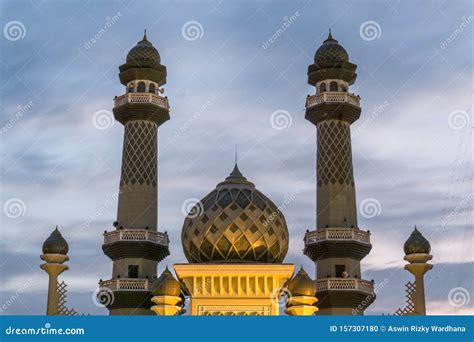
{"x":337,"y":245}
{"x":136,"y":246}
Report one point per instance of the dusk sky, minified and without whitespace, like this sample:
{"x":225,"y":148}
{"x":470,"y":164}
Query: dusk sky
{"x":236,"y":76}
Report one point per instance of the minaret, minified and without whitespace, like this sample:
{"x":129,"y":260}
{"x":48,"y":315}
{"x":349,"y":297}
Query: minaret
{"x":55,"y":250}
{"x":417,"y":253}
{"x":337,"y":245}
{"x":136,"y":246}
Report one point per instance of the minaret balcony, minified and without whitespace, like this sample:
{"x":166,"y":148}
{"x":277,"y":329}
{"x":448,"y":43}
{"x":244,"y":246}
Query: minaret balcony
{"x":344,"y":284}
{"x":333,"y":96}
{"x":344,"y":292}
{"x":332,"y":106}
{"x":142,"y":98}
{"x":136,"y":243}
{"x":126,"y":284}
{"x":337,"y":243}
{"x":141,"y":106}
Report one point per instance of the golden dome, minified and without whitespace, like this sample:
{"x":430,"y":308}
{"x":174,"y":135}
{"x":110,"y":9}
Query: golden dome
{"x":166,"y":285}
{"x":235,"y":223}
{"x":302,"y":285}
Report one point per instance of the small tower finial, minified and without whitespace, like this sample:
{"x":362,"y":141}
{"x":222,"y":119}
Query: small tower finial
{"x":235,"y":153}
{"x":144,"y":35}
{"x":330,"y":34}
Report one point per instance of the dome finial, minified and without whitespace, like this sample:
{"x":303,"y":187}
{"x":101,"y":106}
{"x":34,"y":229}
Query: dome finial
{"x":330,"y":35}
{"x":236,"y":154}
{"x":144,"y":36}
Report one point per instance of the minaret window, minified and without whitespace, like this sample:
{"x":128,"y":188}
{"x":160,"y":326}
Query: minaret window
{"x":152,"y":88}
{"x":322,"y":87}
{"x":130,"y":88}
{"x":133,"y":271}
{"x":333,"y":86}
{"x":141,"y":87}
{"x":340,"y":269}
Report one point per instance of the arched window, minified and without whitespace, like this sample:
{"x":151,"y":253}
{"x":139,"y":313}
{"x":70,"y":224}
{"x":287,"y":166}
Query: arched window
{"x":322,"y":88}
{"x":151,"y":88}
{"x":333,"y":86}
{"x":141,"y":87}
{"x":344,"y":88}
{"x":130,"y":88}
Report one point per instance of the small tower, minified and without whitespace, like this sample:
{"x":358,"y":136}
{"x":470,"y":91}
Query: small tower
{"x":55,"y":250}
{"x":167,"y":295}
{"x":136,"y":246}
{"x":337,"y":245}
{"x":417,"y":253}
{"x":302,"y":292}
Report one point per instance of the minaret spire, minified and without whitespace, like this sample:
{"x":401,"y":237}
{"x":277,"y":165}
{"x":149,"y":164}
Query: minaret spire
{"x":144,"y":36}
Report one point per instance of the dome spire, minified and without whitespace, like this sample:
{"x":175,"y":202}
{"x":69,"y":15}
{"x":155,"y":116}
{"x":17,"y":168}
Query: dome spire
{"x":330,"y":35}
{"x":144,"y":36}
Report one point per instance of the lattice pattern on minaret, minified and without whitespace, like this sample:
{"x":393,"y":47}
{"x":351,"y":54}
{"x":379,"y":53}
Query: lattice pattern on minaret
{"x":409,"y":309}
{"x":334,"y":153}
{"x":62,"y":295}
{"x":139,"y":154}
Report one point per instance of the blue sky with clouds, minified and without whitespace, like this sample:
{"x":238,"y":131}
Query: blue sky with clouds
{"x":412,"y":146}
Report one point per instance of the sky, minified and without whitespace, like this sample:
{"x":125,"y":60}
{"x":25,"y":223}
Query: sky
{"x":236,"y":75}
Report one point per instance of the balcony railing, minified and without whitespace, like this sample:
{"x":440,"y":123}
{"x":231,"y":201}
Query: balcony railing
{"x":126,"y":284}
{"x":332,"y":97}
{"x":343,"y":284}
{"x":136,"y":235}
{"x":142,"y":98}
{"x":337,"y":234}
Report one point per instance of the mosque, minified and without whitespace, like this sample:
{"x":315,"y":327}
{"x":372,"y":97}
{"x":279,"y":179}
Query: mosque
{"x":235,"y":239}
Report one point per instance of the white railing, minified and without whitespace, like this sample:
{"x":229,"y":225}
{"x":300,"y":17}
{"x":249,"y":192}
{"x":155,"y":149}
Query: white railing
{"x":142,"y":98}
{"x":128,"y":284}
{"x":342,"y":284}
{"x":337,"y":234}
{"x":332,"y":97}
{"x":136,"y":235}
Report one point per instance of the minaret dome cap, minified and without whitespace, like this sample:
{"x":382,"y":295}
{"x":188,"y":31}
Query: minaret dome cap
{"x":166,"y":285}
{"x":144,"y":51}
{"x":330,"y":53}
{"x":416,"y":243}
{"x":55,"y":244}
